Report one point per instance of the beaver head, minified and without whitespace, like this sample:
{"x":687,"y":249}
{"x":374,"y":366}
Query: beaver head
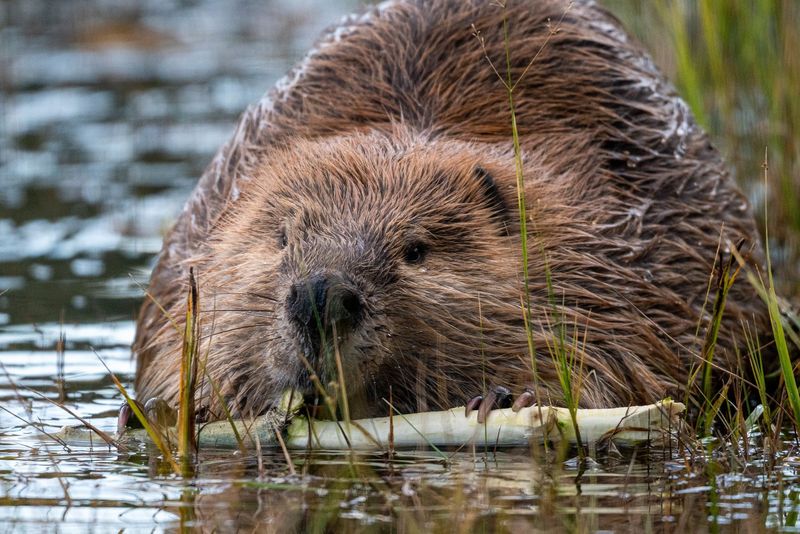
{"x":371,"y":250}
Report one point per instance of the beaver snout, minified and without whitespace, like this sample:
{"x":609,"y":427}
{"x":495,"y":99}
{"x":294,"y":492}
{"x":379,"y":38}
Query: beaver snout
{"x":320,"y":305}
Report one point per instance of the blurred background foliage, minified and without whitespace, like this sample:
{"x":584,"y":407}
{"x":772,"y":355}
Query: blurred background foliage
{"x":737,"y":64}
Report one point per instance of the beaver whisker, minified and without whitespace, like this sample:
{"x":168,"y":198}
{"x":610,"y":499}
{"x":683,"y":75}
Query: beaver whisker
{"x":243,"y":327}
{"x":246,"y":294}
{"x":257,"y":344}
{"x":238,"y":310}
{"x":261,"y":296}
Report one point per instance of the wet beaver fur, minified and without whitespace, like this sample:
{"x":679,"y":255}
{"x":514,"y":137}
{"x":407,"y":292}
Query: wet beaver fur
{"x":367,"y":207}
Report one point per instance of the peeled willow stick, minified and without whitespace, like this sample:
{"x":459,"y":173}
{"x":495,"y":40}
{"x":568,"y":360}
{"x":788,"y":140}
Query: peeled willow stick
{"x":653,"y":423}
{"x":634,"y":425}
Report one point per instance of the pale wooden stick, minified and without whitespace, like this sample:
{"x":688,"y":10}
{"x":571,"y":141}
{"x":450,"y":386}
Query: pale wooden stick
{"x":503,"y":428}
{"x":634,"y":425}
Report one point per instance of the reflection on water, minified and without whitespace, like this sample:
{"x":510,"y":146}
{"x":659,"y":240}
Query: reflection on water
{"x":110,"y":111}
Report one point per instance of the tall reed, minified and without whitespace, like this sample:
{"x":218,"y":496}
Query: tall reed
{"x":776,"y":320}
{"x":564,"y":355}
{"x":187,"y":443}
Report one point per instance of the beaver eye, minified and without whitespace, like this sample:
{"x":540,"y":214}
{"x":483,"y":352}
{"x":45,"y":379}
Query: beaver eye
{"x":415,"y":253}
{"x":283,"y":240}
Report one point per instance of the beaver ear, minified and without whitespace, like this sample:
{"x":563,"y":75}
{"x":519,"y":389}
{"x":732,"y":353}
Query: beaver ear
{"x":493,"y":197}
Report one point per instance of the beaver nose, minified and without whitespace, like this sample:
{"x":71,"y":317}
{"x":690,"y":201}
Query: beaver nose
{"x":342,"y":306}
{"x":306,"y":301}
{"x":321,"y":303}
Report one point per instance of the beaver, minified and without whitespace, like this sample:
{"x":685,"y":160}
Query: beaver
{"x":364,"y":219}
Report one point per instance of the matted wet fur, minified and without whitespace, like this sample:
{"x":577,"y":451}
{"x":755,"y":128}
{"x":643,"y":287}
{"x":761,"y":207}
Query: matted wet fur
{"x":384,"y":161}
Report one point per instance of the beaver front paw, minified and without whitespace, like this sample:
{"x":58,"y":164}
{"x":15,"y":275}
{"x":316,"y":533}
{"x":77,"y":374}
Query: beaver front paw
{"x":156,"y":410}
{"x":160,"y":413}
{"x":499,"y":397}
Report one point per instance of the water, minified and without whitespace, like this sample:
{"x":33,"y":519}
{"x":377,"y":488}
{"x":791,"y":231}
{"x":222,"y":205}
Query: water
{"x":110,"y":112}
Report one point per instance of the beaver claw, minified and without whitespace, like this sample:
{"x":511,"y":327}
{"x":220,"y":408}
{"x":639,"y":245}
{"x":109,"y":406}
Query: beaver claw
{"x":498,"y":397}
{"x":156,"y":410}
{"x":127,"y":418}
{"x":525,"y":400}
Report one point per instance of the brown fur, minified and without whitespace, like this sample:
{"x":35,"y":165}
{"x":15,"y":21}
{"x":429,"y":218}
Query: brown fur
{"x":382,"y":138}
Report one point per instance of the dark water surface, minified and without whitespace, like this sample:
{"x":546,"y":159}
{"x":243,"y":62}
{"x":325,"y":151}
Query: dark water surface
{"x":108,"y":114}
